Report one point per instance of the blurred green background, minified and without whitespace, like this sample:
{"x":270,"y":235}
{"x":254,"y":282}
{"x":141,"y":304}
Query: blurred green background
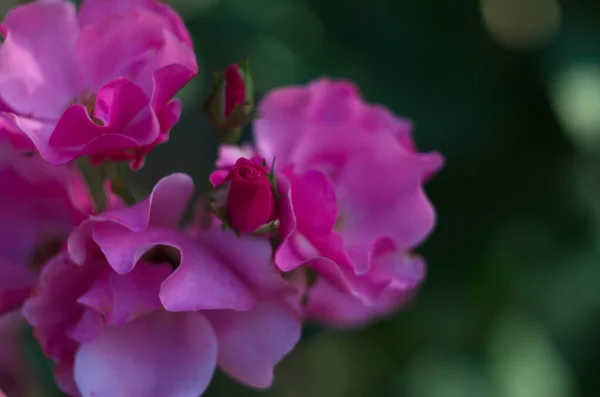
{"x":509,"y":91}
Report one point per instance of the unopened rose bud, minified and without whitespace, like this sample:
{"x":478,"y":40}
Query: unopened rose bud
{"x":250,"y":202}
{"x":230,"y":106}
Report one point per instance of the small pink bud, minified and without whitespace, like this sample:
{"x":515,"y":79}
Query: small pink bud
{"x":250,"y":201}
{"x":234,"y":89}
{"x":230,"y":104}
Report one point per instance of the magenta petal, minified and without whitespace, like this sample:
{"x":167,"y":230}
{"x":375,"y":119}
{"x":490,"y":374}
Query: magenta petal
{"x":164,"y":207}
{"x":228,"y":154}
{"x":250,"y":257}
{"x":330,"y":306}
{"x":158,"y":355}
{"x":92,"y":11}
{"x":37,"y":64}
{"x":201,"y":280}
{"x":143,"y":31}
{"x":63,"y":374}
{"x":251,"y":343}
{"x":286,"y":257}
{"x":281,"y":122}
{"x":120,"y":104}
{"x":16,"y":282}
{"x":168,"y":116}
{"x":218,"y":177}
{"x":53,"y":309}
{"x":88,"y":326}
{"x":122,"y":298}
{"x":129,"y":123}
{"x":28,"y":133}
{"x":314,"y":201}
{"x":171,"y":69}
{"x":152,"y":56}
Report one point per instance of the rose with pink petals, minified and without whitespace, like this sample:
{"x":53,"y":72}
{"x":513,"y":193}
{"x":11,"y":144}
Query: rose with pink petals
{"x":97,"y":83}
{"x":353,"y":204}
{"x":137,"y":307}
{"x":39,"y":206}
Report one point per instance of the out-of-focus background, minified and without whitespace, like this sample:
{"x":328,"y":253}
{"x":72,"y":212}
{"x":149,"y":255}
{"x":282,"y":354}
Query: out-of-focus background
{"x":509,"y":91}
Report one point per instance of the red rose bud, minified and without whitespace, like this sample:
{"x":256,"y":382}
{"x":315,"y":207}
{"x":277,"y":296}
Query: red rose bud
{"x":250,"y":202}
{"x":230,"y":104}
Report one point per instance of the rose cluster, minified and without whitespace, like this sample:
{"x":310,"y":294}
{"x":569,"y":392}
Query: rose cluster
{"x":316,"y":221}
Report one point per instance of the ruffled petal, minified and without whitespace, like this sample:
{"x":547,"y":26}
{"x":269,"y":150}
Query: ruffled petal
{"x":200,"y":282}
{"x":122,"y":298}
{"x":128,"y":123}
{"x":164,"y":207}
{"x":38,"y":75}
{"x":92,"y":11}
{"x":251,"y":343}
{"x":157,"y":355}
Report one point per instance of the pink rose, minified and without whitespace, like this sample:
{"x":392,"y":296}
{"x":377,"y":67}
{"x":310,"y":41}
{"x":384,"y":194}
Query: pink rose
{"x":134,"y":296}
{"x":250,"y":200}
{"x":97,"y":83}
{"x":352,"y":202}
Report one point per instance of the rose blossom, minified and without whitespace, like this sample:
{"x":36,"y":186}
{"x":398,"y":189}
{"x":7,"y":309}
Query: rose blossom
{"x":353,"y":205}
{"x":137,"y":307}
{"x":39,"y":206}
{"x":250,"y":201}
{"x":97,"y":83}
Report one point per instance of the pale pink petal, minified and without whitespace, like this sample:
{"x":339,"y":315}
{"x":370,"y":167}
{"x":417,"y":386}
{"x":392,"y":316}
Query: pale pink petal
{"x":164,"y":207}
{"x":171,"y":68}
{"x":250,"y":257}
{"x":276,"y":130}
{"x":63,"y":373}
{"x":88,"y":327}
{"x":333,"y":101}
{"x":158,"y":355}
{"x":152,"y":57}
{"x":92,"y":11}
{"x":53,"y":309}
{"x":330,"y":306}
{"x":143,"y":30}
{"x":37,"y":65}
{"x":228,"y":154}
{"x":201,"y":281}
{"x":122,"y":298}
{"x":28,"y":134}
{"x":251,"y":343}
{"x":314,"y":200}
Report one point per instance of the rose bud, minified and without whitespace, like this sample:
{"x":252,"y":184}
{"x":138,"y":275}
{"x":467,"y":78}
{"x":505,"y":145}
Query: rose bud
{"x":230,"y":104}
{"x":250,"y":201}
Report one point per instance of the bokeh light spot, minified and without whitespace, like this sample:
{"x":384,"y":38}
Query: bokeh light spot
{"x":521,"y":24}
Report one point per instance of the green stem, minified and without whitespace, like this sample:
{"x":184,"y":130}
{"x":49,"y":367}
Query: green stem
{"x":97,"y":176}
{"x":118,"y":174}
{"x":94,"y":177}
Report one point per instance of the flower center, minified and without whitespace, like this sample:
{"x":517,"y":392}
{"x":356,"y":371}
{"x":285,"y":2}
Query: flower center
{"x":88,"y":100}
{"x":163,"y":253}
